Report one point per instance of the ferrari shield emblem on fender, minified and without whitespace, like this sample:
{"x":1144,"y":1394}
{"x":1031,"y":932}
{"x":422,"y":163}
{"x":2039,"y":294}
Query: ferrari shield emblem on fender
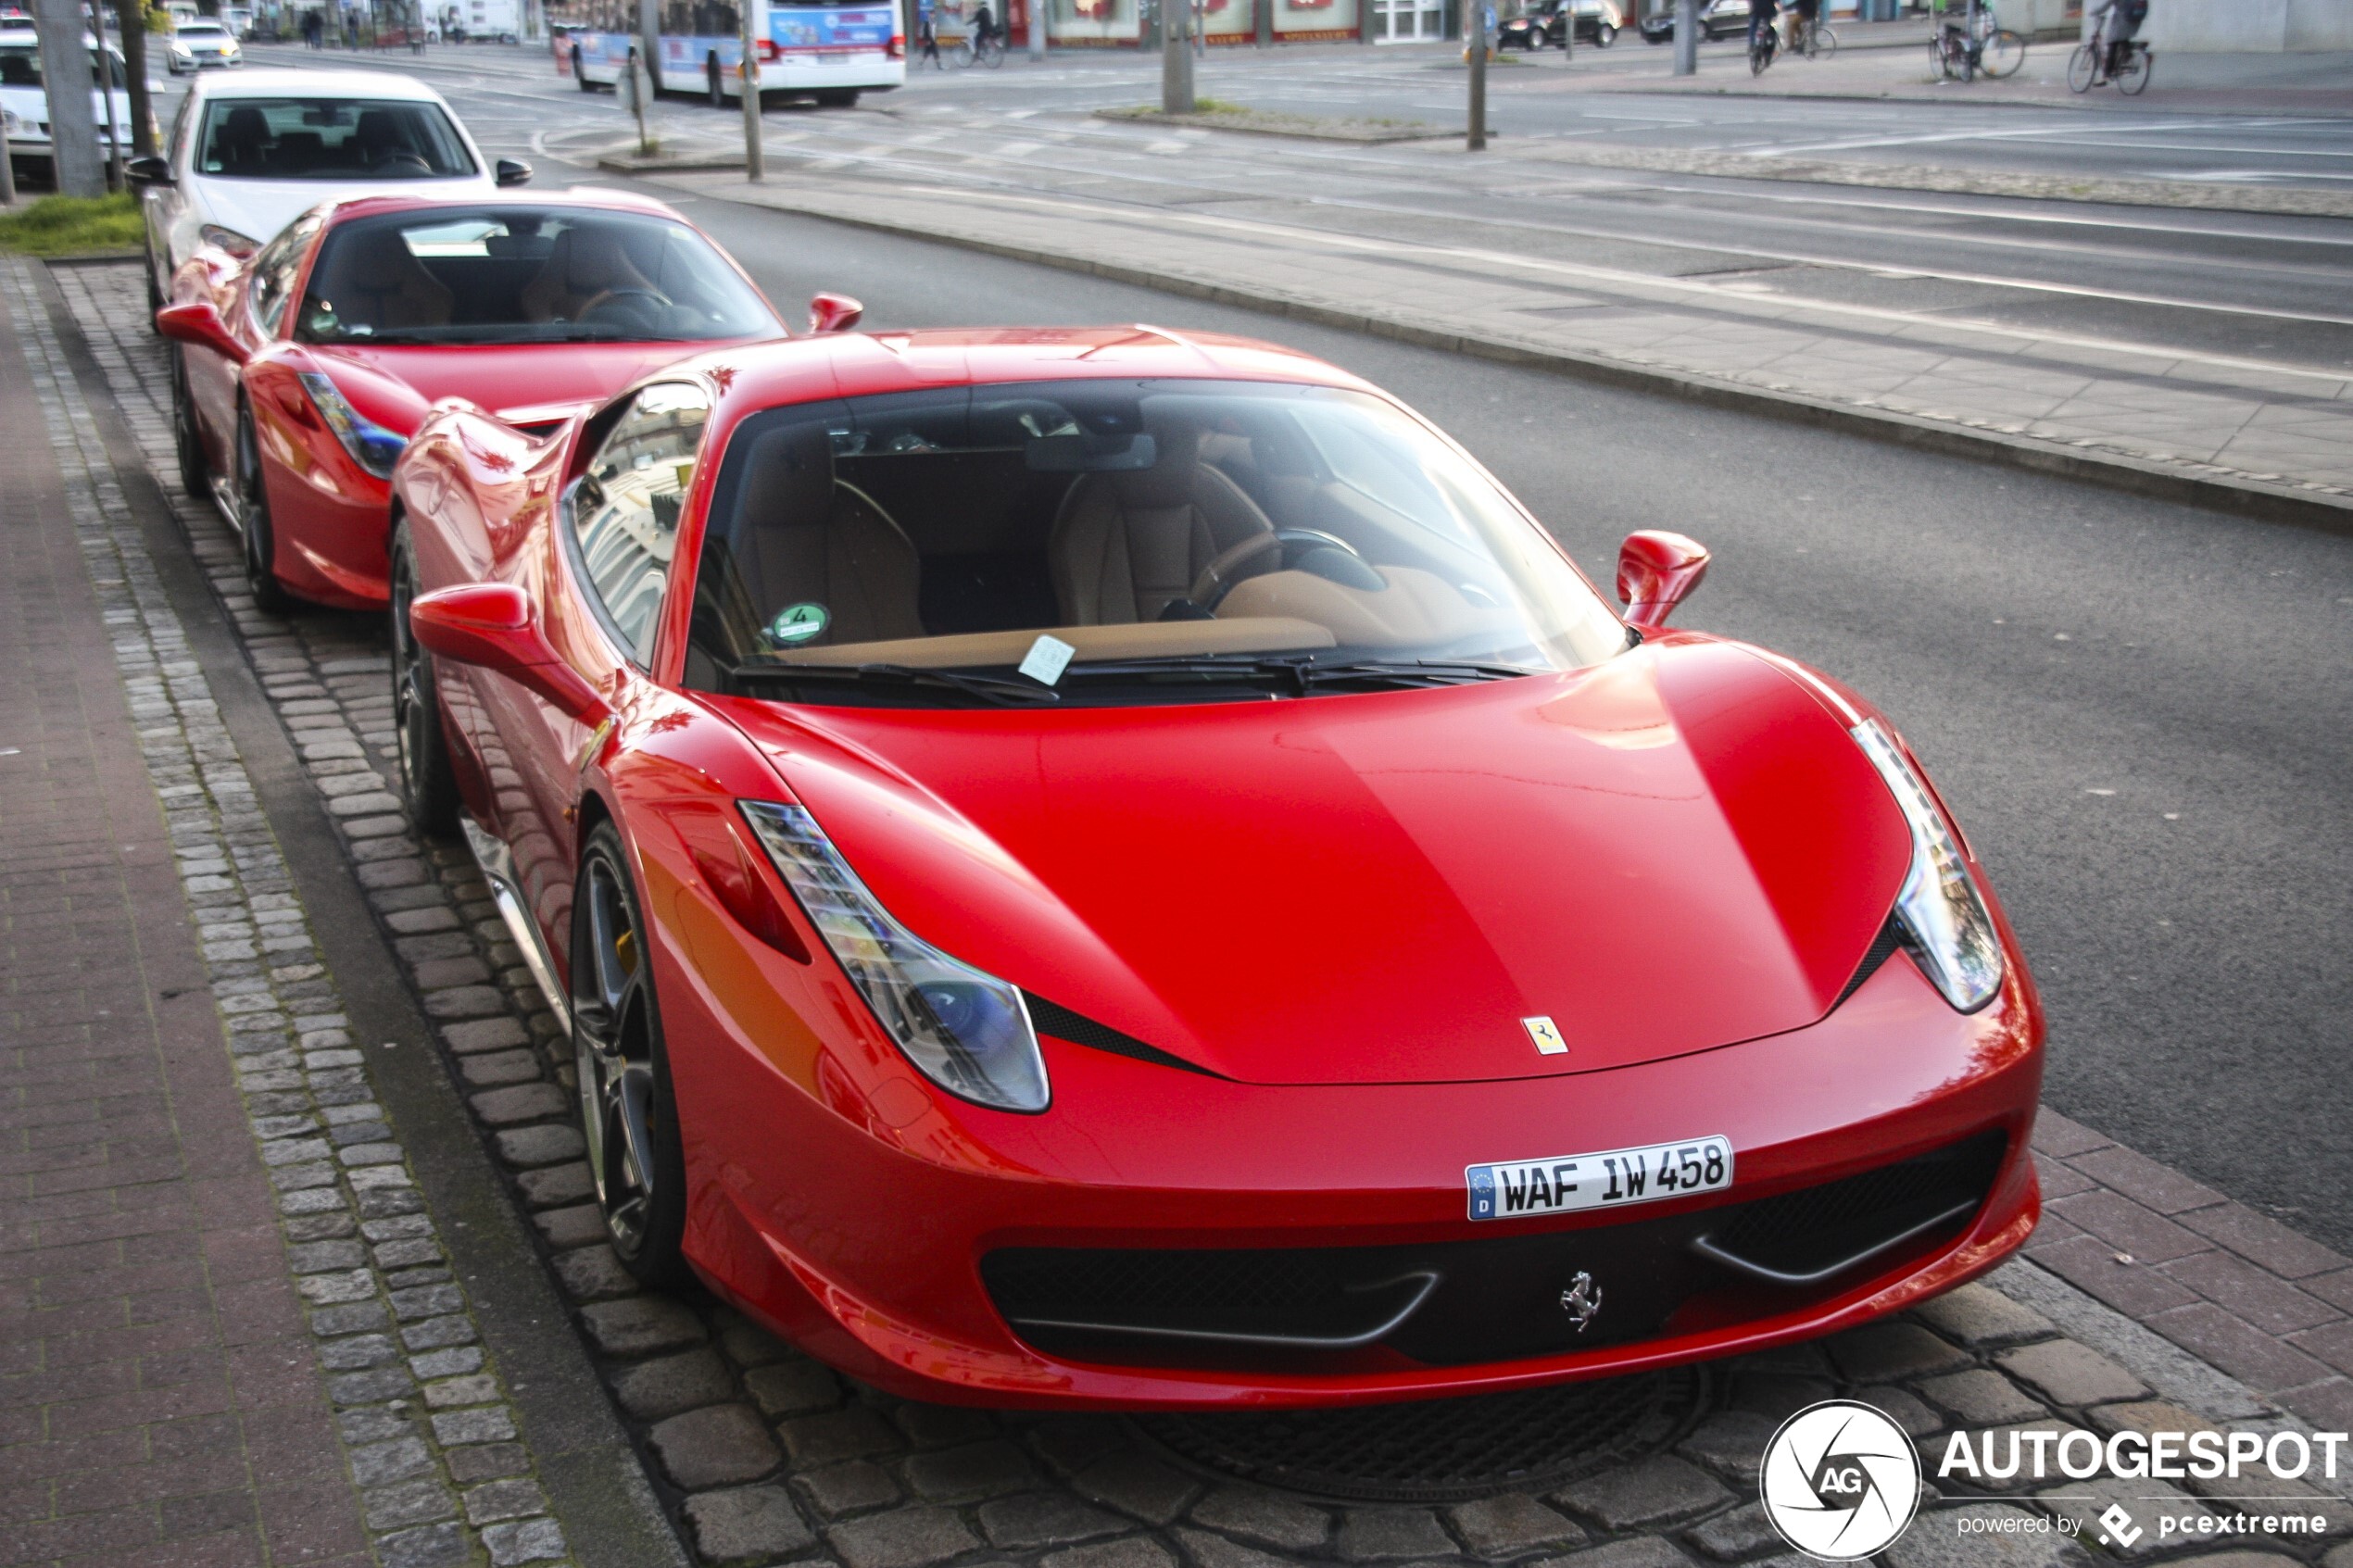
{"x":1581,"y":1301}
{"x":1546,"y":1034}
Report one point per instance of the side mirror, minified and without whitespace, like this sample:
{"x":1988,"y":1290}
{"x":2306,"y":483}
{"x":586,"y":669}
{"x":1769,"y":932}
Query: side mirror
{"x":513,"y":172}
{"x":833,"y":313}
{"x":491,"y":626}
{"x":148,"y":170}
{"x":200,"y":324}
{"x":1657,"y":570}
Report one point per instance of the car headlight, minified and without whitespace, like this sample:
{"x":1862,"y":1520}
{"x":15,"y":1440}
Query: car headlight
{"x":1942,"y":916}
{"x":236,"y":244}
{"x":965,"y":1031}
{"x":371,"y":445}
{"x":182,"y":50}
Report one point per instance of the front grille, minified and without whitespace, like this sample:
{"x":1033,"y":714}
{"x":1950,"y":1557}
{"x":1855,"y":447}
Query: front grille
{"x":1493,"y":1298}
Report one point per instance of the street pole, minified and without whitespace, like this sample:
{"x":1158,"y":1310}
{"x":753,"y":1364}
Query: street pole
{"x":106,"y":96}
{"x":1037,"y":13}
{"x":1475,"y":50}
{"x":755,"y":169}
{"x":73,"y":128}
{"x":1686,"y":37}
{"x":637,"y":100}
{"x":649,"y":39}
{"x":130,"y":26}
{"x":1176,"y":59}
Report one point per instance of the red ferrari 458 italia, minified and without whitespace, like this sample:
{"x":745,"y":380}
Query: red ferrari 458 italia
{"x":302,"y":371}
{"x":1103,"y":867}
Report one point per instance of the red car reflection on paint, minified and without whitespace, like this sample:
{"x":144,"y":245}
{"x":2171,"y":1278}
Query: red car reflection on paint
{"x":301,"y":371}
{"x":1101,"y":867}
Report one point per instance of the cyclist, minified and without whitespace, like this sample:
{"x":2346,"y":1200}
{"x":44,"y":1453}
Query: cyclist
{"x":2118,"y":23}
{"x":983,"y":28}
{"x":1763,"y":16}
{"x":1802,"y":14}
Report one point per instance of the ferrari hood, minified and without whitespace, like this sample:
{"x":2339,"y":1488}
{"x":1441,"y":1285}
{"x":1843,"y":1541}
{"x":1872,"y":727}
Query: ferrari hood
{"x":529,"y":383}
{"x":1676,"y":850}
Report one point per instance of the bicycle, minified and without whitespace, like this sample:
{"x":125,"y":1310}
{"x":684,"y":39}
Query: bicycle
{"x":1812,"y":39}
{"x":989,"y":51}
{"x":1977,"y":46}
{"x":1762,"y":43}
{"x":2097,"y":63}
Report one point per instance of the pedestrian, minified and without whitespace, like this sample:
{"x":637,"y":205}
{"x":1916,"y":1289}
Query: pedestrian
{"x":928,"y":33}
{"x":314,"y":29}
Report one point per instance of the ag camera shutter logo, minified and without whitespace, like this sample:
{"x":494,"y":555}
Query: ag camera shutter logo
{"x":1841,"y":1481}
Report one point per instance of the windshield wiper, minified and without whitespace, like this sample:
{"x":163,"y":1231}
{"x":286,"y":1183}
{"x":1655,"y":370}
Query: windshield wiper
{"x":990,"y":689}
{"x":1303,"y":674}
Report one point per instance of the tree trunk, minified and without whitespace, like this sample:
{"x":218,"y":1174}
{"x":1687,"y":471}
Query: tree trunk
{"x":67,"y":78}
{"x":130,"y":17}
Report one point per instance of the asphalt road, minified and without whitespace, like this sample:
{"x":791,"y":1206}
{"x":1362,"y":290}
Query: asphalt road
{"x":2142,"y":713}
{"x":2243,"y":285}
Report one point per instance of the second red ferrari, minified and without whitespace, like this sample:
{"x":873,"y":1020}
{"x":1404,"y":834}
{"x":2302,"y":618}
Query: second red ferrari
{"x":303,"y":371}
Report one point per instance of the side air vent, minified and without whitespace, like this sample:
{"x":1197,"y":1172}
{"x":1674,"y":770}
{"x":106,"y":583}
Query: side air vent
{"x":1080,"y":1030}
{"x":1883,"y":947}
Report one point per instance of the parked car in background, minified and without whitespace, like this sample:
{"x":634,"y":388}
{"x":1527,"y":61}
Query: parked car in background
{"x":1720,"y":19}
{"x":1546,"y":993}
{"x":201,"y":43}
{"x":248,"y":153}
{"x":302,"y":370}
{"x":1598,"y":23}
{"x":24,"y":101}
{"x":238,"y":19}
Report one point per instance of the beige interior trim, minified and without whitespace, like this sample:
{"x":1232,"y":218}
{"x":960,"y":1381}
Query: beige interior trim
{"x":1152,"y":639}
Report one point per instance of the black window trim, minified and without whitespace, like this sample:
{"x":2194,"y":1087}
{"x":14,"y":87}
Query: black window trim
{"x":568,"y":520}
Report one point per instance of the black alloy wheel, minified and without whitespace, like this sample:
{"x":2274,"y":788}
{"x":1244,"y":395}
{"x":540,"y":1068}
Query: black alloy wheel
{"x":269,"y":595}
{"x":428,"y":784}
{"x":628,"y":1112}
{"x":195,"y":469}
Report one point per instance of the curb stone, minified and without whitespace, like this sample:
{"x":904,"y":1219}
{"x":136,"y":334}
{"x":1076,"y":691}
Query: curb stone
{"x":782,"y":1455}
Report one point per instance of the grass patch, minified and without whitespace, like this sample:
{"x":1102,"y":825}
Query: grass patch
{"x":65,"y":225}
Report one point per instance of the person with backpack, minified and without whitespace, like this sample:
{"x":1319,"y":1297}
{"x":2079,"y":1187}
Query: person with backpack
{"x":2117,"y":23}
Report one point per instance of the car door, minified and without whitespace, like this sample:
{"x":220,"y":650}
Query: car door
{"x":596,"y":565}
{"x":252,"y":302}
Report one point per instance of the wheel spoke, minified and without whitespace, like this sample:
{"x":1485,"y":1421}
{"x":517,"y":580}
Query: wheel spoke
{"x":632,"y":1099}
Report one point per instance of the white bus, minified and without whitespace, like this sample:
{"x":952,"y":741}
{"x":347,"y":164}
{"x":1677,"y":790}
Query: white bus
{"x":830,"y":50}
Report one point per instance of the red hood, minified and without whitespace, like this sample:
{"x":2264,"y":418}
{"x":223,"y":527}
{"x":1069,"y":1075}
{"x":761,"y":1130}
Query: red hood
{"x":1674,"y":851}
{"x":395,"y":386}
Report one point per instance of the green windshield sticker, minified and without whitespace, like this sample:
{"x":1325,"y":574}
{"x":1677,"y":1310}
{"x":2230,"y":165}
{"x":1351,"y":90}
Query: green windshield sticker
{"x":798,"y":623}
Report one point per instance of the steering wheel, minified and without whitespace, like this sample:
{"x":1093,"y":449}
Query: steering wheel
{"x":619,"y":294}
{"x":1218,"y":579}
{"x":406,"y":163}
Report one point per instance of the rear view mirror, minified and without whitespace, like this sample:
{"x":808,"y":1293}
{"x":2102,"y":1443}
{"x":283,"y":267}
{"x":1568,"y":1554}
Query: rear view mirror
{"x":492,"y":626}
{"x":199,"y":324}
{"x":1657,"y":570}
{"x":147,"y":171}
{"x":513,"y":171}
{"x":1089,"y":454}
{"x":833,"y":313}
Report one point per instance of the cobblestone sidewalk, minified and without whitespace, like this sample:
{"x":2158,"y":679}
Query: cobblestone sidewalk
{"x":150,"y":1420}
{"x":764,"y":1456}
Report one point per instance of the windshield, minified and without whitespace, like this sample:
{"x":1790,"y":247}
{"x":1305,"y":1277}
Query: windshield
{"x":525,"y":275}
{"x":1120,"y":541}
{"x":331,"y":139}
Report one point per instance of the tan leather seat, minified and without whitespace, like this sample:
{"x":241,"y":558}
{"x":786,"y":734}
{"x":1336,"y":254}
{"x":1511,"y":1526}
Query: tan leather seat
{"x":805,"y":537}
{"x":582,"y":264}
{"x":1126,"y":546}
{"x":379,"y":284}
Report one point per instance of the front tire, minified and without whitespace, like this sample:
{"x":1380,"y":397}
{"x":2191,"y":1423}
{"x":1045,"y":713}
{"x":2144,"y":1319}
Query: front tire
{"x":195,"y":469}
{"x":269,"y":595}
{"x":428,"y":783}
{"x":2134,"y":79}
{"x":1604,"y":37}
{"x":628,"y":1111}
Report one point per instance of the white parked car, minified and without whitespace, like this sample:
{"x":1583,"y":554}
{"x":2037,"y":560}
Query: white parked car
{"x":201,"y":43}
{"x":249,"y":154}
{"x":24,"y":102}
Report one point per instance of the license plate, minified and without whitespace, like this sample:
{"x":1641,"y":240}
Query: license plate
{"x":1520,"y":1189}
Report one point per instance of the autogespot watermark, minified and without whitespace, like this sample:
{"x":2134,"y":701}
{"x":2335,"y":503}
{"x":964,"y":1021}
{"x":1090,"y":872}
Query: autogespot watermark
{"x":1841,"y":1481}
